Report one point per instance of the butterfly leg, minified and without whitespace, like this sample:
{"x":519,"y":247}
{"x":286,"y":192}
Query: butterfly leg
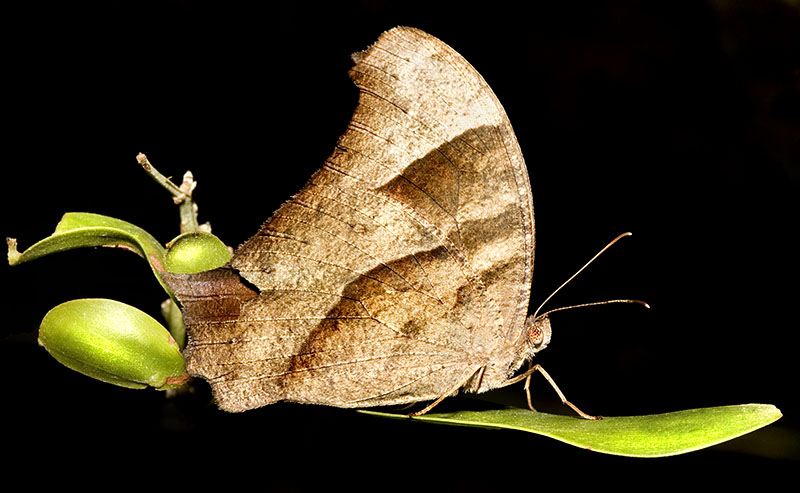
{"x":527,"y":377}
{"x":450,"y":392}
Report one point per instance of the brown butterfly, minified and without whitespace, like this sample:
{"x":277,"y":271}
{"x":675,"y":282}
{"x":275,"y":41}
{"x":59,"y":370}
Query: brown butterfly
{"x":401,"y":272}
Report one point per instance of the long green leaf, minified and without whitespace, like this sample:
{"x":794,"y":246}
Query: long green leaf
{"x":81,"y":230}
{"x":657,"y":435}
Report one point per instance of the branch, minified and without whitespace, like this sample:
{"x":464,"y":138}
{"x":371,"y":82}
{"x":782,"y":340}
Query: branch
{"x":181,"y":195}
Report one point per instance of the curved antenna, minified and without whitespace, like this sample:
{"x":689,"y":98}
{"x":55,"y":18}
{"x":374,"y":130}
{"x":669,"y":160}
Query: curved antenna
{"x":581,"y":270}
{"x":594,"y":304}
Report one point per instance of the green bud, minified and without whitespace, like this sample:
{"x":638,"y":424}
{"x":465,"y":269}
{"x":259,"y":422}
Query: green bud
{"x":113,"y":342}
{"x":196,"y":252}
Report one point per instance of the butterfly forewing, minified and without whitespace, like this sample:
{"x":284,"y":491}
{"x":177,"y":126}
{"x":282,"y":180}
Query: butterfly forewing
{"x":399,"y":270}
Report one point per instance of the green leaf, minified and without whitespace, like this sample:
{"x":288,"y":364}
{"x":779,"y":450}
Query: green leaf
{"x":657,"y":435}
{"x":81,"y":230}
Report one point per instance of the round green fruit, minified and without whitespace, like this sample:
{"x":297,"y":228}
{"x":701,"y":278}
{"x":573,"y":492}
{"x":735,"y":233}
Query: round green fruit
{"x":195,"y":252}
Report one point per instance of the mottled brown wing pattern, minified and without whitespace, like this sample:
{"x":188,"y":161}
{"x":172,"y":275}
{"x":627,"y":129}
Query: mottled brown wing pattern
{"x":401,"y":266}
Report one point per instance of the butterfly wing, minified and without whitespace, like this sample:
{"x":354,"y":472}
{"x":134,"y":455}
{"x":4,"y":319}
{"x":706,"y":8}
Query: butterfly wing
{"x":402,"y":265}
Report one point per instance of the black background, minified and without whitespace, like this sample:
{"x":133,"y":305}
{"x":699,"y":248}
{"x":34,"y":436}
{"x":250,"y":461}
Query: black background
{"x":678,"y":121}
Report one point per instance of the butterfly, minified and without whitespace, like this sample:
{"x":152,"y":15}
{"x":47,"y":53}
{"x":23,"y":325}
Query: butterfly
{"x":401,"y":272}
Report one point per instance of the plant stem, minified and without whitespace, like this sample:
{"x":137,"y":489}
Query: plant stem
{"x":181,"y":195}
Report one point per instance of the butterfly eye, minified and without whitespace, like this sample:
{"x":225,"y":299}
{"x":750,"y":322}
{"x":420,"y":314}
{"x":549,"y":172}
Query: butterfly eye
{"x":535,"y":335}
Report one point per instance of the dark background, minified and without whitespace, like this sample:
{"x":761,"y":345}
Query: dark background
{"x":678,"y":121}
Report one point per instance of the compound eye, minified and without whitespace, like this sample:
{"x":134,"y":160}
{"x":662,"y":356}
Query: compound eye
{"x":535,"y":335}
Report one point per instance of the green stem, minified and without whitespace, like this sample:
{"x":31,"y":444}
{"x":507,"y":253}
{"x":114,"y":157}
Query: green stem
{"x":174,"y":318}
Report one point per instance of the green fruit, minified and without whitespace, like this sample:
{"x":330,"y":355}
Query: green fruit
{"x":113,"y":342}
{"x":196,"y":252}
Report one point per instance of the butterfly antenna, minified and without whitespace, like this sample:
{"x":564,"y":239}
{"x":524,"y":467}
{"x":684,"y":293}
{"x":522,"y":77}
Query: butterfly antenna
{"x":576,"y":274}
{"x":595,"y":304}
